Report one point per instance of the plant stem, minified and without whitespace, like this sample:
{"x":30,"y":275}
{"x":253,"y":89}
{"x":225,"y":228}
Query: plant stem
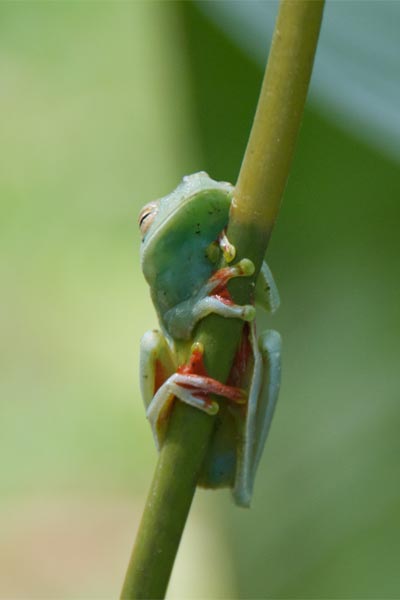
{"x":254,"y":210}
{"x":270,"y":148}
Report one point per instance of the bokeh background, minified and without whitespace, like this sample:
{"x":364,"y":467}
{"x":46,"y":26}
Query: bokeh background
{"x":104,"y":106}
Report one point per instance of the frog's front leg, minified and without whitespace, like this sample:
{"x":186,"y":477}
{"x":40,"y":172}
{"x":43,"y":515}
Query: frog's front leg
{"x":212,"y":297}
{"x":262,"y":400}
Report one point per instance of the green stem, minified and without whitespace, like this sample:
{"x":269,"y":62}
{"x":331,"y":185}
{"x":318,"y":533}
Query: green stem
{"x":255,"y":207}
{"x":270,"y":148}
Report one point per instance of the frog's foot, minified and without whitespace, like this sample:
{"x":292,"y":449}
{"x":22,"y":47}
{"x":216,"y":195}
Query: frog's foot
{"x":191,"y":385}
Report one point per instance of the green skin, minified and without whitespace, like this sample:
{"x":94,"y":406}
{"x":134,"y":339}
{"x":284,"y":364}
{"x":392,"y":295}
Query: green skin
{"x":183,"y":247}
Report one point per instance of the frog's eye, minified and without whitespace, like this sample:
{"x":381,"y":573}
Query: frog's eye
{"x":147,"y":216}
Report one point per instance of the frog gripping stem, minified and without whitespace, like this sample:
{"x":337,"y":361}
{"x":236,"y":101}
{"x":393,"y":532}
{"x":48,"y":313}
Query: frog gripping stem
{"x":192,"y":385}
{"x":213,"y":297}
{"x":251,"y":214}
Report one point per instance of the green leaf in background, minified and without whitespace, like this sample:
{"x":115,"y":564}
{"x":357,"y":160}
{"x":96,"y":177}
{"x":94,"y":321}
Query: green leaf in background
{"x":356,"y":73}
{"x":325,"y":518}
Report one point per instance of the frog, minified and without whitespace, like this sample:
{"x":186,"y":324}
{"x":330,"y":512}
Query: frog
{"x":187,"y":260}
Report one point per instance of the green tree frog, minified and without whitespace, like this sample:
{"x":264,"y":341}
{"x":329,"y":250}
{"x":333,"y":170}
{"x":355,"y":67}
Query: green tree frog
{"x":183,"y":247}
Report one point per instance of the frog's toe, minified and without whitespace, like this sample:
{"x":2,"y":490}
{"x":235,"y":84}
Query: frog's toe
{"x":246,"y":267}
{"x":249,"y":313}
{"x":212,"y":408}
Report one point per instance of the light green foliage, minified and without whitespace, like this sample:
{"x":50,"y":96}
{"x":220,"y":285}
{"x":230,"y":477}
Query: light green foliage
{"x":82,"y":128}
{"x":69,"y":202}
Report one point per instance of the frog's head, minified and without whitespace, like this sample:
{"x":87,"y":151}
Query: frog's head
{"x":159,"y":214}
{"x":197,"y":208}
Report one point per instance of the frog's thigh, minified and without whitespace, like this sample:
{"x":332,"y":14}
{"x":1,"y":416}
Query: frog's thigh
{"x":262,"y":400}
{"x":156,"y":363}
{"x":270,"y":345}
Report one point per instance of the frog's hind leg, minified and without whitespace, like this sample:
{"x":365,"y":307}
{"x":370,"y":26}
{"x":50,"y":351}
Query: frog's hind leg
{"x":270,"y":345}
{"x":157,"y":364}
{"x":159,"y":409}
{"x":160,"y":383}
{"x":191,"y":389}
{"x":261,"y":405}
{"x":190,"y":384}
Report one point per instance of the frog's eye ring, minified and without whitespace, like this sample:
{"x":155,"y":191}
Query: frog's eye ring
{"x":147,"y":216}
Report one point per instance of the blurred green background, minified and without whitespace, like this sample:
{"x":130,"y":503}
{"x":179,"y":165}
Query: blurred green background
{"x":104,"y":107}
